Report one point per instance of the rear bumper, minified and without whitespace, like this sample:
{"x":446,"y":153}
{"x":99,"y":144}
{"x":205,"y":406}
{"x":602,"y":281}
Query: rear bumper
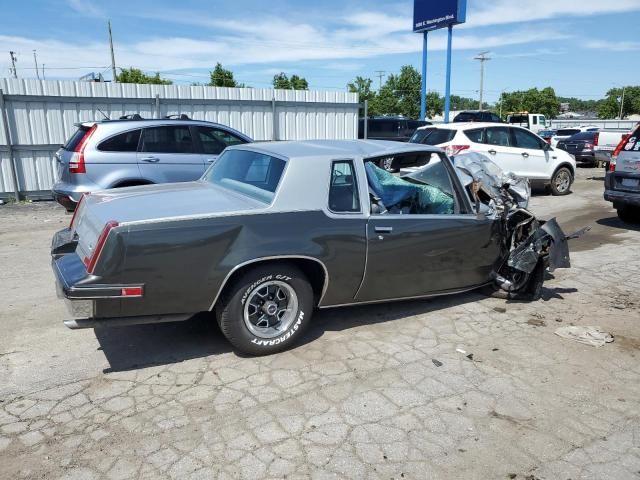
{"x":68,"y":194}
{"x":85,"y":296}
{"x":618,"y":196}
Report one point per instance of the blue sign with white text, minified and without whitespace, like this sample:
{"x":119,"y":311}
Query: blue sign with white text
{"x":434,"y":14}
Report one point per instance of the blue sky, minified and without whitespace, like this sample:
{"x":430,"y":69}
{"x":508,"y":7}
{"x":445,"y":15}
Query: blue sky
{"x":580,"y":47}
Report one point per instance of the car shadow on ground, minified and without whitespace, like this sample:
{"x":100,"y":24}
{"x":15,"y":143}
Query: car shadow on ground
{"x":615,"y":222}
{"x":138,"y":346}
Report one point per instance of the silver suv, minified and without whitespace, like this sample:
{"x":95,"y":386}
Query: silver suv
{"x":133,"y":151}
{"x":622,"y":181}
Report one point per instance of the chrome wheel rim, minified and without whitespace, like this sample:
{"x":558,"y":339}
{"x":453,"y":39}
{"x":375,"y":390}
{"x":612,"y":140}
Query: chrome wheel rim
{"x":563,"y":181}
{"x":270,"y":309}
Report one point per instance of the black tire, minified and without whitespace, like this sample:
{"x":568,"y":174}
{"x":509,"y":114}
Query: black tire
{"x":250,"y":287}
{"x":629,"y":214}
{"x":561,"y":182}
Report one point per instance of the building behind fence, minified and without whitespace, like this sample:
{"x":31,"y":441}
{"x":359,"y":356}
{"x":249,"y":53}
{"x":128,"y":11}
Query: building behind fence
{"x":37,"y":116}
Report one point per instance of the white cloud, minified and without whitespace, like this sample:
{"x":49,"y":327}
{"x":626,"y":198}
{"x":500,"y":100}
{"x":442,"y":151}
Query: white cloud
{"x":86,"y":8}
{"x":613,"y":46}
{"x":496,"y":12}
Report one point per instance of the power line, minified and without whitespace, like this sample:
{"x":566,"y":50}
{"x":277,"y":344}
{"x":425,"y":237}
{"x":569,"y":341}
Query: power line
{"x":380,"y":74}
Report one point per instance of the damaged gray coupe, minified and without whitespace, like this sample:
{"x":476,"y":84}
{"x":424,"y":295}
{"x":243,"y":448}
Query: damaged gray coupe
{"x":273,"y":231}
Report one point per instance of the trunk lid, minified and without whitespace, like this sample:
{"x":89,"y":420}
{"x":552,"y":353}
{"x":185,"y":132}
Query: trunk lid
{"x":149,"y":203}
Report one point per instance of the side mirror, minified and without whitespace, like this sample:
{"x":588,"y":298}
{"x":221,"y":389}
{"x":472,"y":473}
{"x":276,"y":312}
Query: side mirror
{"x":547,"y":147}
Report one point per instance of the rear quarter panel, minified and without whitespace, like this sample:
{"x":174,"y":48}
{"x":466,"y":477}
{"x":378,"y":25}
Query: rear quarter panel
{"x":183,"y":264}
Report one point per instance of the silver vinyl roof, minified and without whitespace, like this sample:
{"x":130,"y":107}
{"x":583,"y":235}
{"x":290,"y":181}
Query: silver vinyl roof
{"x":335,"y":149}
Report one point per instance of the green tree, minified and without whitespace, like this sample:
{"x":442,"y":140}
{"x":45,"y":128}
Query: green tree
{"x":135,"y":75}
{"x":463,"y":103}
{"x":283,"y":82}
{"x":435,"y":104}
{"x":533,"y":100}
{"x":299,"y":83}
{"x":610,"y":106}
{"x":221,"y":77}
{"x":362,"y":86}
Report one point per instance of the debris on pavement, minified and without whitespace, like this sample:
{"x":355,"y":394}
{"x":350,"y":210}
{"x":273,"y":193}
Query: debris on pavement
{"x":500,"y":309}
{"x":537,"y":322}
{"x":437,"y":363}
{"x":589,"y":335}
{"x":459,"y":350}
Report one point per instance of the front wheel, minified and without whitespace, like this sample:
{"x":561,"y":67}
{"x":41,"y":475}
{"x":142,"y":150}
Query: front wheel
{"x":266,"y":310}
{"x":561,"y":182}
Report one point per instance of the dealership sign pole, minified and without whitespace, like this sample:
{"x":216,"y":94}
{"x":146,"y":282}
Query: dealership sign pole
{"x":431,"y":15}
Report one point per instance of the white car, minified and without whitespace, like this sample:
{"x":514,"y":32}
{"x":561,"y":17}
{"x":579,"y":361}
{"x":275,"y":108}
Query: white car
{"x":513,"y":149}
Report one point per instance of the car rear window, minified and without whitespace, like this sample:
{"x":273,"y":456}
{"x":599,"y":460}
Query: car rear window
{"x":567,"y":132}
{"x":253,"y":174}
{"x":123,"y":142}
{"x":433,"y":136}
{"x":466,"y":117}
{"x":75,"y":139}
{"x":583,"y":136}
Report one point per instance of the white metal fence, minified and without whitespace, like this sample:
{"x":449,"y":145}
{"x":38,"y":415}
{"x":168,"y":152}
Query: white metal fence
{"x":576,"y":122}
{"x":37,"y":116}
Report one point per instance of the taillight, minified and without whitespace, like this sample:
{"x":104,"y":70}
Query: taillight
{"x":453,"y":150}
{"x":596,"y":139}
{"x":90,"y":262}
{"x":75,"y":212}
{"x":131,"y":292}
{"x":616,"y":152}
{"x":76,"y":162}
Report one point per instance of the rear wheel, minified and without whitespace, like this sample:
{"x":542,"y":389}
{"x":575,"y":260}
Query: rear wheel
{"x":266,"y":310}
{"x":561,"y":181}
{"x":629,"y":214}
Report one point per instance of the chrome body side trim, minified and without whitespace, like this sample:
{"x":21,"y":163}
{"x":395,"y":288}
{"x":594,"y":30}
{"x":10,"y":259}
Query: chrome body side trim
{"x":389,"y":300}
{"x":275,"y":257}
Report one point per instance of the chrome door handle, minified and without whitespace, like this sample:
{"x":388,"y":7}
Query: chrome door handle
{"x":150,"y":159}
{"x":383,"y":229}
{"x":525,"y":154}
{"x":492,"y":152}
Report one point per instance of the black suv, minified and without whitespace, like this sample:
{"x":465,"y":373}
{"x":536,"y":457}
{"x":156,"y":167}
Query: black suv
{"x":399,"y":129}
{"x":477,"y":116}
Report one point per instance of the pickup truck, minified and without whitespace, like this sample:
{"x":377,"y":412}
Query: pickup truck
{"x":533,"y":121}
{"x":606,"y":141}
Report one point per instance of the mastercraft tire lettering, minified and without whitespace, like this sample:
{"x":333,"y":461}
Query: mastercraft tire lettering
{"x":266,"y":309}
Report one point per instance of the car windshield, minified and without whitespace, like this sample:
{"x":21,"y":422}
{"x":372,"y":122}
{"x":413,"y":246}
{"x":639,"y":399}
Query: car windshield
{"x":253,"y":174}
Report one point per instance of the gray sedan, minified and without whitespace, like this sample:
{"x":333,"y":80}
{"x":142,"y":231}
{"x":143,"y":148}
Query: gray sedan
{"x":274,"y":230}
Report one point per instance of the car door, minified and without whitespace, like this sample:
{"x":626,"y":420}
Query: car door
{"x":534,"y":157}
{"x":212,"y":141}
{"x":412,"y":254}
{"x":499,"y":146}
{"x":168,"y":154}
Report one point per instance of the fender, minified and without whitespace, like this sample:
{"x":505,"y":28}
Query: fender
{"x":265,"y":259}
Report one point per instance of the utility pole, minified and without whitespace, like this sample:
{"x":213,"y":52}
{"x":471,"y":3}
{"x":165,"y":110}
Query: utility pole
{"x":43,"y":72}
{"x":113,"y":58}
{"x":482,"y":56}
{"x":622,"y":102}
{"x":380,"y":74}
{"x":35,"y":61}
{"x":13,"y":70}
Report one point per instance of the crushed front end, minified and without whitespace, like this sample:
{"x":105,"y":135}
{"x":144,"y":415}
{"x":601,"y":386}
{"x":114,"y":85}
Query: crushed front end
{"x":530,"y":246}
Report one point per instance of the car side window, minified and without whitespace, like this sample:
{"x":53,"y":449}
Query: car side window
{"x":498,"y":136}
{"x":123,"y":142}
{"x":495,"y":118}
{"x":215,"y":140}
{"x":167,"y":139}
{"x":475,"y":135}
{"x":525,"y":139}
{"x":343,"y":190}
{"x":427,"y":191}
